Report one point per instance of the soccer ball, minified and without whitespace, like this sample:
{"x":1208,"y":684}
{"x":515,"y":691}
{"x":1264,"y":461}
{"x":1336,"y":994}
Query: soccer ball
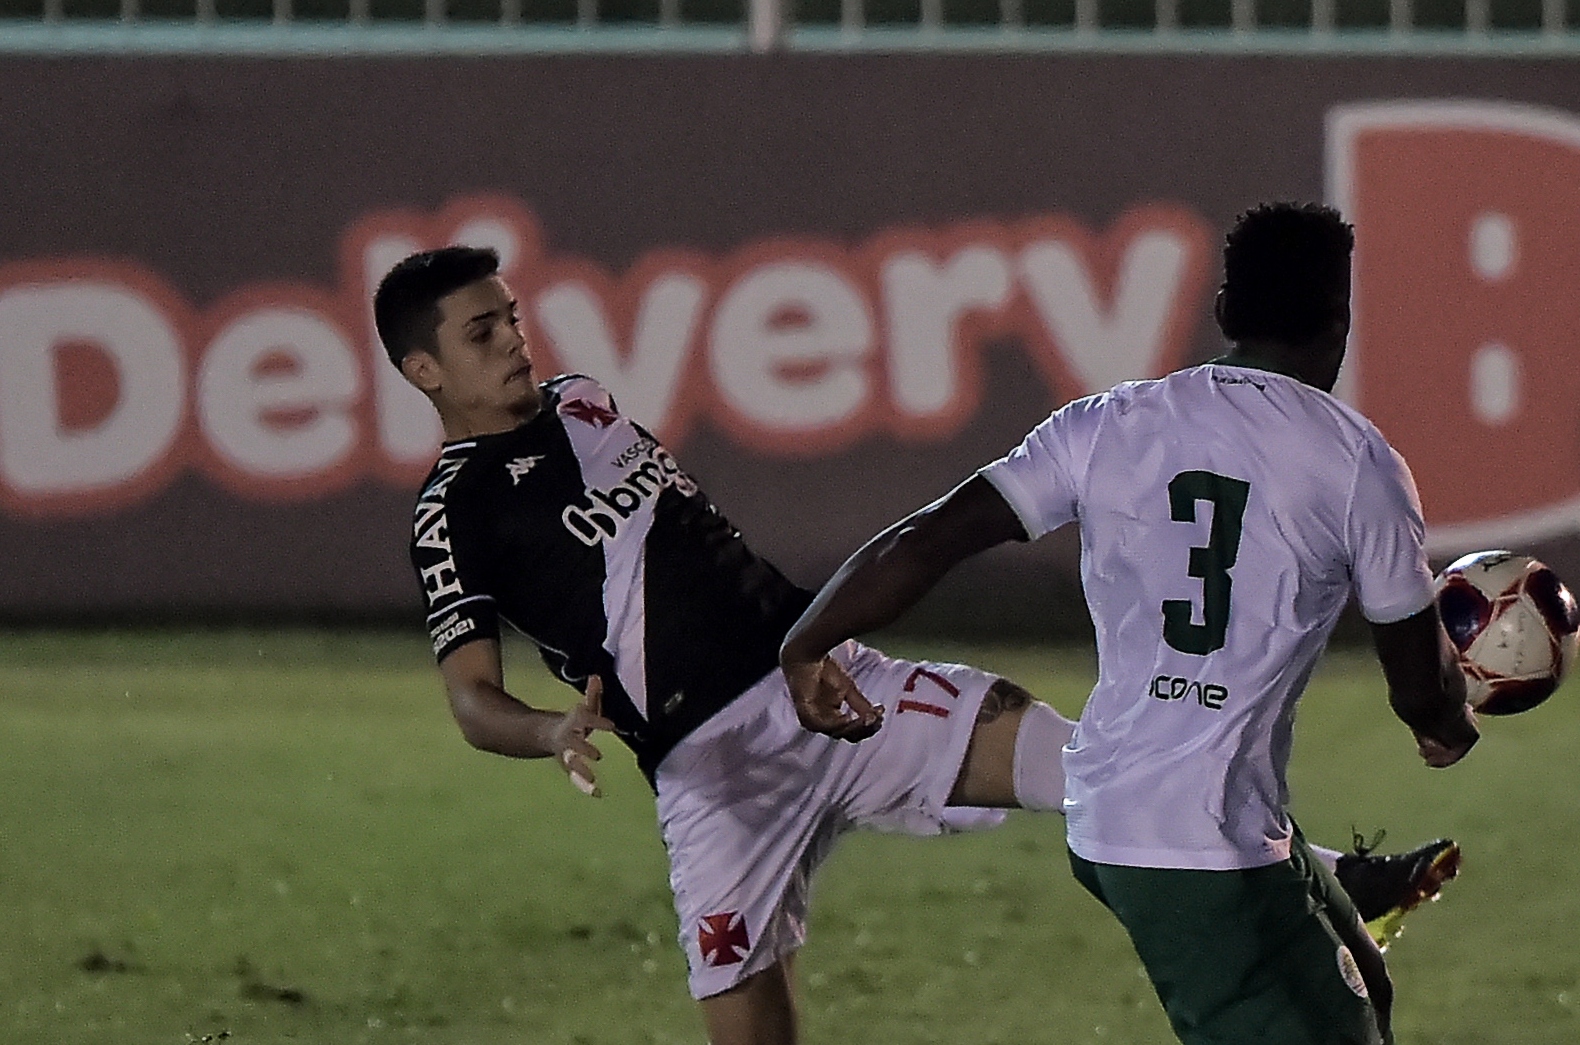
{"x":1514,"y":624}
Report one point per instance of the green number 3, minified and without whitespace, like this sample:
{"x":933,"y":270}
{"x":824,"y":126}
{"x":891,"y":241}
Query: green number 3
{"x":1212,"y":563}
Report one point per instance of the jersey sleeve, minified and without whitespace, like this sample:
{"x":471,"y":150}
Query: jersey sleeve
{"x":1038,"y":478}
{"x":449,"y":555}
{"x":580,"y":386}
{"x":1386,"y":536}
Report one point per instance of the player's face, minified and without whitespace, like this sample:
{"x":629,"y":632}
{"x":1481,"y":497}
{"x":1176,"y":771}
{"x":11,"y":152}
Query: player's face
{"x":483,"y":364}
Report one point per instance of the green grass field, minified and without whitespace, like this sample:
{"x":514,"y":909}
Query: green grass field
{"x":280,"y":836}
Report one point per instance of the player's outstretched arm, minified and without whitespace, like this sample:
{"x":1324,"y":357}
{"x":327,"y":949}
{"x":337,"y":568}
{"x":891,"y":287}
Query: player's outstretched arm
{"x":492,"y":720}
{"x":1425,"y":686}
{"x":887,"y":576}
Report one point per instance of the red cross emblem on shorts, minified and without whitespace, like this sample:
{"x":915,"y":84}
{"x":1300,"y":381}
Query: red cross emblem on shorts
{"x":722,"y":939}
{"x":591,"y":413}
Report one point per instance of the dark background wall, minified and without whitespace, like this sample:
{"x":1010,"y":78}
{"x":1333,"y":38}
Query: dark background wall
{"x":218,"y":184}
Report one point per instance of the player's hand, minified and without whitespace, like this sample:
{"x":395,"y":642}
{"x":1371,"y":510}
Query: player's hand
{"x":828,"y":702}
{"x":573,"y":752}
{"x":1449,"y":742}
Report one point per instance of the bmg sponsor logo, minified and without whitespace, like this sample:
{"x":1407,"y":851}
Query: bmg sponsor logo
{"x":608,"y":510}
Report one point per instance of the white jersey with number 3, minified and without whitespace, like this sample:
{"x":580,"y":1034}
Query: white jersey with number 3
{"x":1227,"y":515}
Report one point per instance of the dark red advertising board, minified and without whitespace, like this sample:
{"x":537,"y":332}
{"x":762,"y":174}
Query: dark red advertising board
{"x":834,"y":285}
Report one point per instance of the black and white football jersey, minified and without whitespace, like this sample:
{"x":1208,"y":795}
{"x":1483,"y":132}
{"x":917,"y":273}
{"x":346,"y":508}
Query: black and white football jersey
{"x":579,"y":530}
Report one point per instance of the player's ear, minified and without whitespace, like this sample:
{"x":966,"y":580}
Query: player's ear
{"x":1219,"y":306}
{"x":421,"y":369}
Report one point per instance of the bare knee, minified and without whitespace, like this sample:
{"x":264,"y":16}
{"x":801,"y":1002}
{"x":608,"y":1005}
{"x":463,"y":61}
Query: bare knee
{"x":1003,"y":698}
{"x":1016,"y":755}
{"x":987,"y":774}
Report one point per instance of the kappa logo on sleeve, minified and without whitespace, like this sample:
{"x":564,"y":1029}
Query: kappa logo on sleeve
{"x":722,"y":939}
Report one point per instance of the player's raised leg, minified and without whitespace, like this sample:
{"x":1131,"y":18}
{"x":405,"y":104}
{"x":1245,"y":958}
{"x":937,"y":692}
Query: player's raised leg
{"x":1015,"y":757}
{"x":1385,"y":888}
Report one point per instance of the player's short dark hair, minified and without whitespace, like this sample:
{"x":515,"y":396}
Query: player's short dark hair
{"x":406,"y":305}
{"x":1282,"y":266}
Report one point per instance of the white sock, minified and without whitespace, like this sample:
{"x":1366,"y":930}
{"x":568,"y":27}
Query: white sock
{"x":1039,"y":758}
{"x":1329,"y":857}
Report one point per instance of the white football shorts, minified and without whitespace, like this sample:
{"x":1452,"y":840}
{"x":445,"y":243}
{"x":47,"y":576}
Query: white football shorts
{"x":751,"y":803}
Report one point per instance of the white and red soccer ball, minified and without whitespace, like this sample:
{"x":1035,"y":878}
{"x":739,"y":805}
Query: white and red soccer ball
{"x":1515,"y":626}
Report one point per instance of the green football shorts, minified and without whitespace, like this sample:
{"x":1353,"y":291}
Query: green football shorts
{"x":1243,"y":957}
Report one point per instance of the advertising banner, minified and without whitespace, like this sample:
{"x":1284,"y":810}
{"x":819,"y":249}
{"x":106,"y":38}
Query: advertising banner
{"x":833,"y":285}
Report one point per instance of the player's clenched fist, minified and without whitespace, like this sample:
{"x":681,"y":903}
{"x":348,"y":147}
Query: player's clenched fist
{"x":1449,"y":742}
{"x":572,"y":750}
{"x":827,"y":701}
